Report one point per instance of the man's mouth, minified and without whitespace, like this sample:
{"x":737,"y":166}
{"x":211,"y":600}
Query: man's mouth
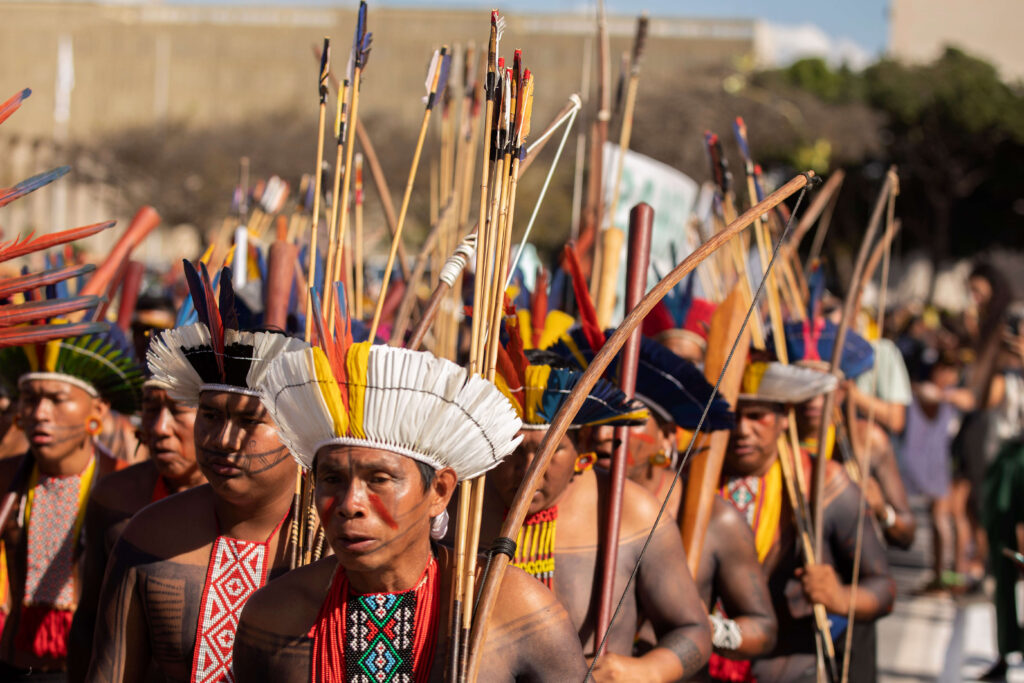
{"x":223,"y":467}
{"x":41,"y":438}
{"x":354,"y":542}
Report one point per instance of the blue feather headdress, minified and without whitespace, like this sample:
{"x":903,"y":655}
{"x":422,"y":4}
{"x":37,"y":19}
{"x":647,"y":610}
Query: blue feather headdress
{"x":674,"y":388}
{"x":811,"y":341}
{"x":538,"y":390}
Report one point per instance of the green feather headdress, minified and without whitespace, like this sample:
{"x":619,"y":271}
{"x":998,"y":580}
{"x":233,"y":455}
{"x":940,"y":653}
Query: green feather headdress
{"x":102,"y":363}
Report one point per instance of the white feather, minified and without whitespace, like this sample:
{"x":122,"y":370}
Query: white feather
{"x":169,"y":366}
{"x":414,"y":404}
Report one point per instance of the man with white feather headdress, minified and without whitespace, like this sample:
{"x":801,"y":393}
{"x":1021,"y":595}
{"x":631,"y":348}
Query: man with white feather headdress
{"x":387,"y":434}
{"x":184,"y":567}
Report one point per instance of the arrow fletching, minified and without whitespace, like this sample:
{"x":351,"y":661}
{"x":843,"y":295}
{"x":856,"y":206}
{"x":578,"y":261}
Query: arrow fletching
{"x":12,"y":103}
{"x":325,"y":70}
{"x":32,"y":184}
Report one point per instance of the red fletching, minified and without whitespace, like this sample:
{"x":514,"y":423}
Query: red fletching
{"x":539,"y":305}
{"x":588,"y":314}
{"x":16,"y":247}
{"x":213,"y":316}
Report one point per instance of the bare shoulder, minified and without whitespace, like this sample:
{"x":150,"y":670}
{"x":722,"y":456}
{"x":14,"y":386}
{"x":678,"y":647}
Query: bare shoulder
{"x":126,"y":489}
{"x":727,"y":521}
{"x":640,"y":511}
{"x":169,"y":527}
{"x":289,"y":604}
{"x":525,"y":608}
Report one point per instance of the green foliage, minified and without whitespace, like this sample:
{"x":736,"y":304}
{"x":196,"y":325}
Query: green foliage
{"x":954,"y":130}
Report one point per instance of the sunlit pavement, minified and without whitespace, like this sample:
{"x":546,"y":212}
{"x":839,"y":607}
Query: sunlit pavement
{"x":935,"y":637}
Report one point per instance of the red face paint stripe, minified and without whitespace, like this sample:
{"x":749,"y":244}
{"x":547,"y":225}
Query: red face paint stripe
{"x":381,"y":510}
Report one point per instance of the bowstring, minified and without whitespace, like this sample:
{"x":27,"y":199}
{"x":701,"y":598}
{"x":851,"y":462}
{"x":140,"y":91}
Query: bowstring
{"x":693,"y":439}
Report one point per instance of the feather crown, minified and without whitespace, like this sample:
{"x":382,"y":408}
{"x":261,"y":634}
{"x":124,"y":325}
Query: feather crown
{"x":812,"y":341}
{"x":538,"y":389}
{"x":674,"y":388}
{"x":406,"y":402}
{"x":213,"y":354}
{"x":778,"y":383}
{"x":101,"y":362}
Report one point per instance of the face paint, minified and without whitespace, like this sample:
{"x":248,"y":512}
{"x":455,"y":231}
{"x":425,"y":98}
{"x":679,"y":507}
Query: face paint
{"x":380,"y":509}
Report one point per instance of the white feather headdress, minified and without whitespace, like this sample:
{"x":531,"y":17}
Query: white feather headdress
{"x":406,"y":402}
{"x":778,"y":383}
{"x":183,"y":360}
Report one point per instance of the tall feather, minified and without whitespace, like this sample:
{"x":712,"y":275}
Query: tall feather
{"x":539,"y":304}
{"x":197,"y":292}
{"x":9,"y":194}
{"x":15,"y":285}
{"x":588,"y":314}
{"x":20,"y":247}
{"x":216,"y":325}
{"x":226,"y":304}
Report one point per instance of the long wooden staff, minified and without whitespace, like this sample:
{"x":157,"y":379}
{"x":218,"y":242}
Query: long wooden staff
{"x":709,"y":452}
{"x":639,"y":42}
{"x":598,"y":136}
{"x":849,"y":312}
{"x":325,"y":67}
{"x":864,"y":459}
{"x":442,"y":288}
{"x":641,"y":222}
{"x":535,"y":472}
{"x":437,"y":77}
{"x":360,"y":53}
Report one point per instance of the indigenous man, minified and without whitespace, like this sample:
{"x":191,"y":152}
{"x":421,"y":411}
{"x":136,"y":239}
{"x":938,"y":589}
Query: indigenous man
{"x":752,"y":480}
{"x":166,"y":431}
{"x":65,"y":388}
{"x":729,"y":577}
{"x":571,"y":498}
{"x":388,"y":433}
{"x":807,"y":343}
{"x":184,"y":566}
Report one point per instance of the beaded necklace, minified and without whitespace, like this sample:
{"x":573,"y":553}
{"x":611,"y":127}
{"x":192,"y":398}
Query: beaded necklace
{"x":376,"y":637}
{"x":237,"y":569}
{"x":535,"y":545}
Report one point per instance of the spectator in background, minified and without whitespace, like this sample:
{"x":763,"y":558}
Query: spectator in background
{"x":931,"y":417}
{"x":973,"y":448}
{"x":884,"y":390}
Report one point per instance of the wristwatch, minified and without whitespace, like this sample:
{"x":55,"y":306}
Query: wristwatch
{"x":890,"y":517}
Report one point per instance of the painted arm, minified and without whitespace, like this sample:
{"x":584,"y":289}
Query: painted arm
{"x":741,"y":584}
{"x":120,"y":649}
{"x":893,"y":514}
{"x":668,"y":597}
{"x":532,"y":638}
{"x":876,"y":591}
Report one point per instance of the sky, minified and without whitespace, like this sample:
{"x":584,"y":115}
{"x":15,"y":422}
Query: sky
{"x":860,"y":22}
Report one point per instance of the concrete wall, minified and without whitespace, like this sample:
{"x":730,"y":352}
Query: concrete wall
{"x":136,"y":64}
{"x":920,"y":29}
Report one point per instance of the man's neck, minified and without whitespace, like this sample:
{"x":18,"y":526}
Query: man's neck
{"x":402,"y":575}
{"x":190,"y":479}
{"x":758,"y":471}
{"x":71,"y":464}
{"x":254,"y":520}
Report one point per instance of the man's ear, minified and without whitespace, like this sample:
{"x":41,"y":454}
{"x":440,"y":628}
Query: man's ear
{"x":100,"y":408}
{"x":784,"y":420}
{"x":442,"y":488}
